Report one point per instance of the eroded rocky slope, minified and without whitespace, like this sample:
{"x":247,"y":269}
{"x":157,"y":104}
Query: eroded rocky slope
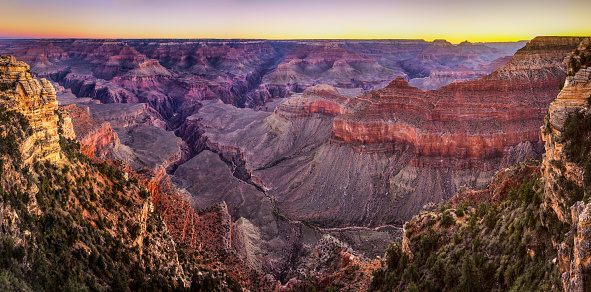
{"x":388,"y":143}
{"x":534,"y":215}
{"x":320,"y":162}
{"x":71,"y":221}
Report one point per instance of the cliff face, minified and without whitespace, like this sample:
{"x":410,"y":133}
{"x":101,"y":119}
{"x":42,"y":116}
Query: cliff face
{"x":565,"y":173}
{"x":36,"y":101}
{"x":98,"y":135}
{"x":533,"y":214}
{"x":474,"y":119}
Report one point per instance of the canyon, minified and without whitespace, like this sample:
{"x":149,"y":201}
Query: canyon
{"x":533,"y":215}
{"x":304,"y":143}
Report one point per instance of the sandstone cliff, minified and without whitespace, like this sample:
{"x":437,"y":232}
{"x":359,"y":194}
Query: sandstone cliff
{"x":565,"y":173}
{"x":36,"y":101}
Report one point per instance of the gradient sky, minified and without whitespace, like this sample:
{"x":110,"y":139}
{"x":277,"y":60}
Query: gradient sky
{"x":454,"y":20}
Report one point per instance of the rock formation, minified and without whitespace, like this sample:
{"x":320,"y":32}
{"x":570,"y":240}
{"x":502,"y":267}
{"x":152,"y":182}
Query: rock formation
{"x":564,"y":175}
{"x":172,"y":73}
{"x":468,"y":119}
{"x":286,"y":158}
{"x":96,"y":134}
{"x":534,"y":214}
{"x":37,"y":103}
{"x":388,"y":141}
{"x":51,"y":210}
{"x":441,"y":77}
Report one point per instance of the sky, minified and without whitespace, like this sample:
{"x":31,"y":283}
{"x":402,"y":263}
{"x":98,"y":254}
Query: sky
{"x":453,"y":20}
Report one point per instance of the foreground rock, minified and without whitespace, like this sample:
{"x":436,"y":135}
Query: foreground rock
{"x":566,"y":168}
{"x":76,"y":222}
{"x":23,"y":93}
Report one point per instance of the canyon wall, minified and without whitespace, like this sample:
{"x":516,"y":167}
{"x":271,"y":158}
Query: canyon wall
{"x":347,"y":160}
{"x":473,"y":119}
{"x":168,"y":74}
{"x":565,"y":173}
{"x":400,"y":147}
{"x":36,"y":101}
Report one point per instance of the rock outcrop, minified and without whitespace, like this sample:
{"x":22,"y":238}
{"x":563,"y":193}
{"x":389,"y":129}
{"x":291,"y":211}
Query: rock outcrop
{"x":441,"y":77}
{"x":96,"y":134}
{"x":564,"y":176}
{"x":36,"y":101}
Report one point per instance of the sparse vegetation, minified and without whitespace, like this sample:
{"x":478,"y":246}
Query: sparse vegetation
{"x":580,"y":58}
{"x":577,"y":140}
{"x":496,"y":248}
{"x":66,"y":238}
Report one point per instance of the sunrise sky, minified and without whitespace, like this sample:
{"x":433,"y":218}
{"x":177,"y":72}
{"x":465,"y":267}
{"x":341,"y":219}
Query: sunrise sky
{"x":454,"y":20}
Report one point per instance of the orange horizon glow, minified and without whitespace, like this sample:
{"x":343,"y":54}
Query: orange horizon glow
{"x":453,"y":20}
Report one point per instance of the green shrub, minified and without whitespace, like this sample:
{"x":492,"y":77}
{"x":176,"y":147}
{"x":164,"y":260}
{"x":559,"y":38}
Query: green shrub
{"x":447,"y":219}
{"x":144,"y":194}
{"x":460,"y":211}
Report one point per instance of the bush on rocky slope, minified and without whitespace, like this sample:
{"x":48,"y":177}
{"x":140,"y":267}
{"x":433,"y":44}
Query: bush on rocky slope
{"x":580,"y":58}
{"x":82,"y":225}
{"x":488,"y":248}
{"x":577,"y":139}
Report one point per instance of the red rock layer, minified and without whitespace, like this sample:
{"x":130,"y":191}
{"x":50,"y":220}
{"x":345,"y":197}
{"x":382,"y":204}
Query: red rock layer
{"x":474,"y":119}
{"x":97,"y":135}
{"x":322,"y":99}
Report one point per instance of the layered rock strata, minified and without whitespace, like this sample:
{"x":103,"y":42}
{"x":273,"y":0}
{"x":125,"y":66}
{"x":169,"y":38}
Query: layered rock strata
{"x":562,"y":176}
{"x":36,"y":101}
{"x":96,"y":134}
{"x":401,"y":147}
{"x":478,"y":119}
{"x":169,"y":74}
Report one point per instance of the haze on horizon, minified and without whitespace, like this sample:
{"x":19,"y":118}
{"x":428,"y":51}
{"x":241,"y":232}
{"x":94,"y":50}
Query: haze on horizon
{"x":454,"y":20}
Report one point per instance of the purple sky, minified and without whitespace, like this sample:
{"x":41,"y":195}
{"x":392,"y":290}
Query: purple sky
{"x":455,"y":20}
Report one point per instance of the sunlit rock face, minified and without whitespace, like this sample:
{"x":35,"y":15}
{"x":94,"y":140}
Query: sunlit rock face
{"x":475,"y":119}
{"x":36,"y":101}
{"x":562,"y":176}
